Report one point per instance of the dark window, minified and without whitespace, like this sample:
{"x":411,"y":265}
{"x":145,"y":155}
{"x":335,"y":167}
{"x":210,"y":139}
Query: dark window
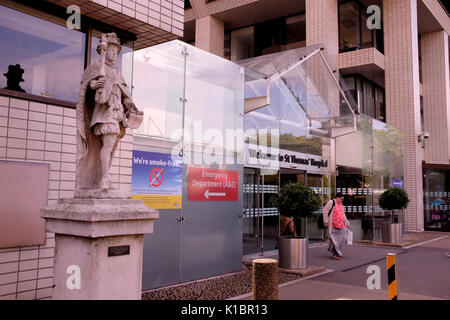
{"x":296,"y":31}
{"x":50,"y":55}
{"x":280,"y":34}
{"x":241,"y":44}
{"x":353,"y":31}
{"x":187,"y":4}
{"x":269,"y":36}
{"x":349,"y":26}
{"x":368,"y":96}
{"x":227,"y":45}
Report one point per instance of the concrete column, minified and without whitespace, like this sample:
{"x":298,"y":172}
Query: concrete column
{"x":403,"y":96}
{"x":210,"y":34}
{"x":436,"y":96}
{"x":322,"y":28}
{"x":322,"y":25}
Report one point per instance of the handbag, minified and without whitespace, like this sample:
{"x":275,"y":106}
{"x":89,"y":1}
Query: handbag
{"x":320,"y":224}
{"x":349,"y":237}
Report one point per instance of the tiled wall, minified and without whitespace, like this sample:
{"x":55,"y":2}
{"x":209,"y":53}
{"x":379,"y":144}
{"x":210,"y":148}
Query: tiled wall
{"x":438,"y":12}
{"x":322,"y":28}
{"x":361,"y":58}
{"x":152,"y":21}
{"x":202,"y":9}
{"x":403,"y":96}
{"x":209,"y":35}
{"x":436,"y":95}
{"x":36,"y":132}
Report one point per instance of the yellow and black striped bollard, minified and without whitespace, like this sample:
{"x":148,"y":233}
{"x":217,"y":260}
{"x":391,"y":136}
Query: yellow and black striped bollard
{"x":392,"y":276}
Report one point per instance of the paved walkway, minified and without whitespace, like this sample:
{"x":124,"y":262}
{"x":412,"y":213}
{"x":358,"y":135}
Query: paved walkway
{"x":422,"y":264}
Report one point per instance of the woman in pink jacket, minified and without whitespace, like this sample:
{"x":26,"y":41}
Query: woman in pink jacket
{"x":337,"y":230}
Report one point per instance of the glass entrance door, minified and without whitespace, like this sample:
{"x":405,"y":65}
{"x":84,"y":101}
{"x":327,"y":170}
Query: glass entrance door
{"x":260,"y":217}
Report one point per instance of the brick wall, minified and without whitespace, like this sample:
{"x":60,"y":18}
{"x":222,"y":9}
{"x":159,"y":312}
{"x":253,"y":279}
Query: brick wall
{"x":45,"y":133}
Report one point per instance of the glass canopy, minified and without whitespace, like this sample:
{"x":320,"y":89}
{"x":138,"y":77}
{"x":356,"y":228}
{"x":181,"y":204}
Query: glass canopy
{"x":308,"y":75}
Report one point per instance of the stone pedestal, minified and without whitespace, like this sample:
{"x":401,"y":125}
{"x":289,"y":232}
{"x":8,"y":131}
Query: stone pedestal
{"x":99,"y":247}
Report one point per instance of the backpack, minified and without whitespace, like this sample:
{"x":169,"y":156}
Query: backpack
{"x":320,"y":224}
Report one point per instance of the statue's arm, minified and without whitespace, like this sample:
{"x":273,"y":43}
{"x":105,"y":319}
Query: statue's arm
{"x":94,"y":85}
{"x":127,"y":100}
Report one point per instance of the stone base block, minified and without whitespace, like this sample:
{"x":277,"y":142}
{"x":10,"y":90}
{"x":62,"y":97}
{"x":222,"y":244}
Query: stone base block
{"x":107,"y":268}
{"x":98,"y":247}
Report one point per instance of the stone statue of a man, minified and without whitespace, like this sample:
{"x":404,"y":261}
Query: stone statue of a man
{"x":104,"y":110}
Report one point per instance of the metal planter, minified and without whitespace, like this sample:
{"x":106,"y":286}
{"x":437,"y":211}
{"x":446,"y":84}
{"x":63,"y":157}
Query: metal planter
{"x":392,"y":233}
{"x":293,"y":252}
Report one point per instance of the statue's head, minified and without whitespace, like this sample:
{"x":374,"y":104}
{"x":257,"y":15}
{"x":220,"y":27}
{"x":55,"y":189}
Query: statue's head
{"x":14,"y":74}
{"x":111,"y":54}
{"x":112,"y":46}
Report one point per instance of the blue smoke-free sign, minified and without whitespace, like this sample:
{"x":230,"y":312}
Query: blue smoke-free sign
{"x":157,"y":179}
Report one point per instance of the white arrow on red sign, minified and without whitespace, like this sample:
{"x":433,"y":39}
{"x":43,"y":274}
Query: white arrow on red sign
{"x":207,"y":194}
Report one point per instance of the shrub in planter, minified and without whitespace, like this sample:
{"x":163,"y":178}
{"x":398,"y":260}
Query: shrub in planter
{"x":394,"y":199}
{"x":296,"y":200}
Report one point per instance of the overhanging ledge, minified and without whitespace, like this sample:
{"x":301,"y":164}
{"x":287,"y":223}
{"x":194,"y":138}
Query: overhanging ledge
{"x":96,"y":218}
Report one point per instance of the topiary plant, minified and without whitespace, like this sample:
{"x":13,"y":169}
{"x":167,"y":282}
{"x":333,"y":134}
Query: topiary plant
{"x":296,"y":200}
{"x":394,"y":199}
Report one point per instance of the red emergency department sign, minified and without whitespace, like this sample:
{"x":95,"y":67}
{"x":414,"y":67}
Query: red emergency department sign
{"x":213,"y":185}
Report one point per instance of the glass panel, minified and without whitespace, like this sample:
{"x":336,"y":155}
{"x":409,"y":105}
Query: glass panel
{"x":158,"y":81}
{"x":47,"y":53}
{"x":262,"y":126}
{"x":250,"y":212}
{"x":352,"y":151}
{"x":387,"y":158}
{"x":369,"y":161}
{"x":349,"y":26}
{"x":206,"y":241}
{"x":303,"y":119}
{"x":369,"y":191}
{"x":303,"y":90}
{"x":320,"y":185}
{"x":211,"y":240}
{"x":164,"y":242}
{"x":211,"y":78}
{"x":437,"y":200}
{"x":269,"y":218}
{"x":296,"y":78}
{"x":261,"y":218}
